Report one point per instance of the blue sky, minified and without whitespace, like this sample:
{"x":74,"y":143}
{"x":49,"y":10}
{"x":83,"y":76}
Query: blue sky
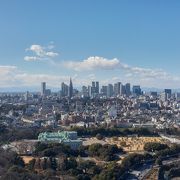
{"x":51,"y":40}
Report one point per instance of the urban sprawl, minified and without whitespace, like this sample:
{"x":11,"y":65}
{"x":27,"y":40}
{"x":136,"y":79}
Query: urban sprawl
{"x":108,"y":132}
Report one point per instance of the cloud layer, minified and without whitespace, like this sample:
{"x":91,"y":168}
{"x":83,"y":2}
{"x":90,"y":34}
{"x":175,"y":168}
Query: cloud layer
{"x":100,"y":63}
{"x":12,"y":76}
{"x":40,"y":52}
{"x":85,"y":71}
{"x":93,"y":63}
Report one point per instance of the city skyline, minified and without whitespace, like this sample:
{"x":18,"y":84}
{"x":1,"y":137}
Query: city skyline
{"x":96,"y":90}
{"x":134,"y":42}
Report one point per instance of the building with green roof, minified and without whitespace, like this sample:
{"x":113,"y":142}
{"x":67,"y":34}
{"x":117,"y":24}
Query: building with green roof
{"x":66,"y":137}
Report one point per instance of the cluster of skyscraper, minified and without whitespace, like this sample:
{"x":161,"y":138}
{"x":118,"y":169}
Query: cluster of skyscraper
{"x":44,"y":91}
{"x":110,"y":90}
{"x":65,"y":89}
{"x":166,"y":94}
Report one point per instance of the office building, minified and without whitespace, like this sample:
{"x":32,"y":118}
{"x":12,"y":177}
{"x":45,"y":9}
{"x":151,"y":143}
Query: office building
{"x":95,"y":89}
{"x":110,"y":90}
{"x":85,"y":91}
{"x":70,"y":89}
{"x":136,"y":90}
{"x":89,"y":91}
{"x":122,"y":89}
{"x":177,"y":96}
{"x":48,"y":92}
{"x":153,"y":94}
{"x":168,"y":93}
{"x":127,"y":89}
{"x":104,"y":91}
{"x":26,"y":96}
{"x":117,"y":88}
{"x":163,"y":96}
{"x":64,"y":89}
{"x":43,"y":88}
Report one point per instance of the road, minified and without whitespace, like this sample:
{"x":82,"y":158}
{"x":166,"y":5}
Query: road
{"x":140,"y":172}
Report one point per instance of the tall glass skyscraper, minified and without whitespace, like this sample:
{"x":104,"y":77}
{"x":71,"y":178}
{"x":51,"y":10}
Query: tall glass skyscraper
{"x":70,"y":89}
{"x":43,"y":88}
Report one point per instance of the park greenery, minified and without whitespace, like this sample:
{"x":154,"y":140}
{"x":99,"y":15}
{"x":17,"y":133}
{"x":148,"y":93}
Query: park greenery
{"x":169,"y":171}
{"x":102,"y":152}
{"x":59,"y":159}
{"x":162,"y":150}
{"x":10,"y":134}
{"x":12,"y":167}
{"x":53,"y":160}
{"x":53,"y":150}
{"x":154,"y":146}
{"x":109,"y":132}
{"x":65,"y":165}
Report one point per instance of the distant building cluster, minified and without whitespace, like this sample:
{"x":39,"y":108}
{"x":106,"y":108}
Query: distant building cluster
{"x":44,"y":91}
{"x":110,"y":90}
{"x":94,"y":90}
{"x":105,"y":91}
{"x":112,"y":105}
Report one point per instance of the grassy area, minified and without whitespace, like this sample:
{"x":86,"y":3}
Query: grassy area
{"x":133,"y":144}
{"x":129,"y":144}
{"x":27,"y":159}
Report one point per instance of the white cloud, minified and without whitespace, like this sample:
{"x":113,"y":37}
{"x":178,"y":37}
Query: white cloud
{"x":92,"y":63}
{"x":7,"y":75}
{"x":4,"y":70}
{"x":28,"y":80}
{"x":31,"y":58}
{"x":40,"y":52}
{"x":51,"y":54}
{"x":144,"y":72}
{"x":11,"y":76}
{"x":100,"y":63}
{"x":134,"y":74}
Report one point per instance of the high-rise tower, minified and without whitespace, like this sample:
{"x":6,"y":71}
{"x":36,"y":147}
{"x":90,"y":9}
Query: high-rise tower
{"x":117,"y":87}
{"x":128,"y":89}
{"x":43,"y":88}
{"x":70,"y":89}
{"x":109,"y":90}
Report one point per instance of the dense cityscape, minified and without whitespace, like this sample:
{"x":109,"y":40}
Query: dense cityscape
{"x":113,"y":125}
{"x":89,"y":90}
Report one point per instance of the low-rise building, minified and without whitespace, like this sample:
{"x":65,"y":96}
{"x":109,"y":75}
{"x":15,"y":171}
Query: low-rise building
{"x":64,"y":137}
